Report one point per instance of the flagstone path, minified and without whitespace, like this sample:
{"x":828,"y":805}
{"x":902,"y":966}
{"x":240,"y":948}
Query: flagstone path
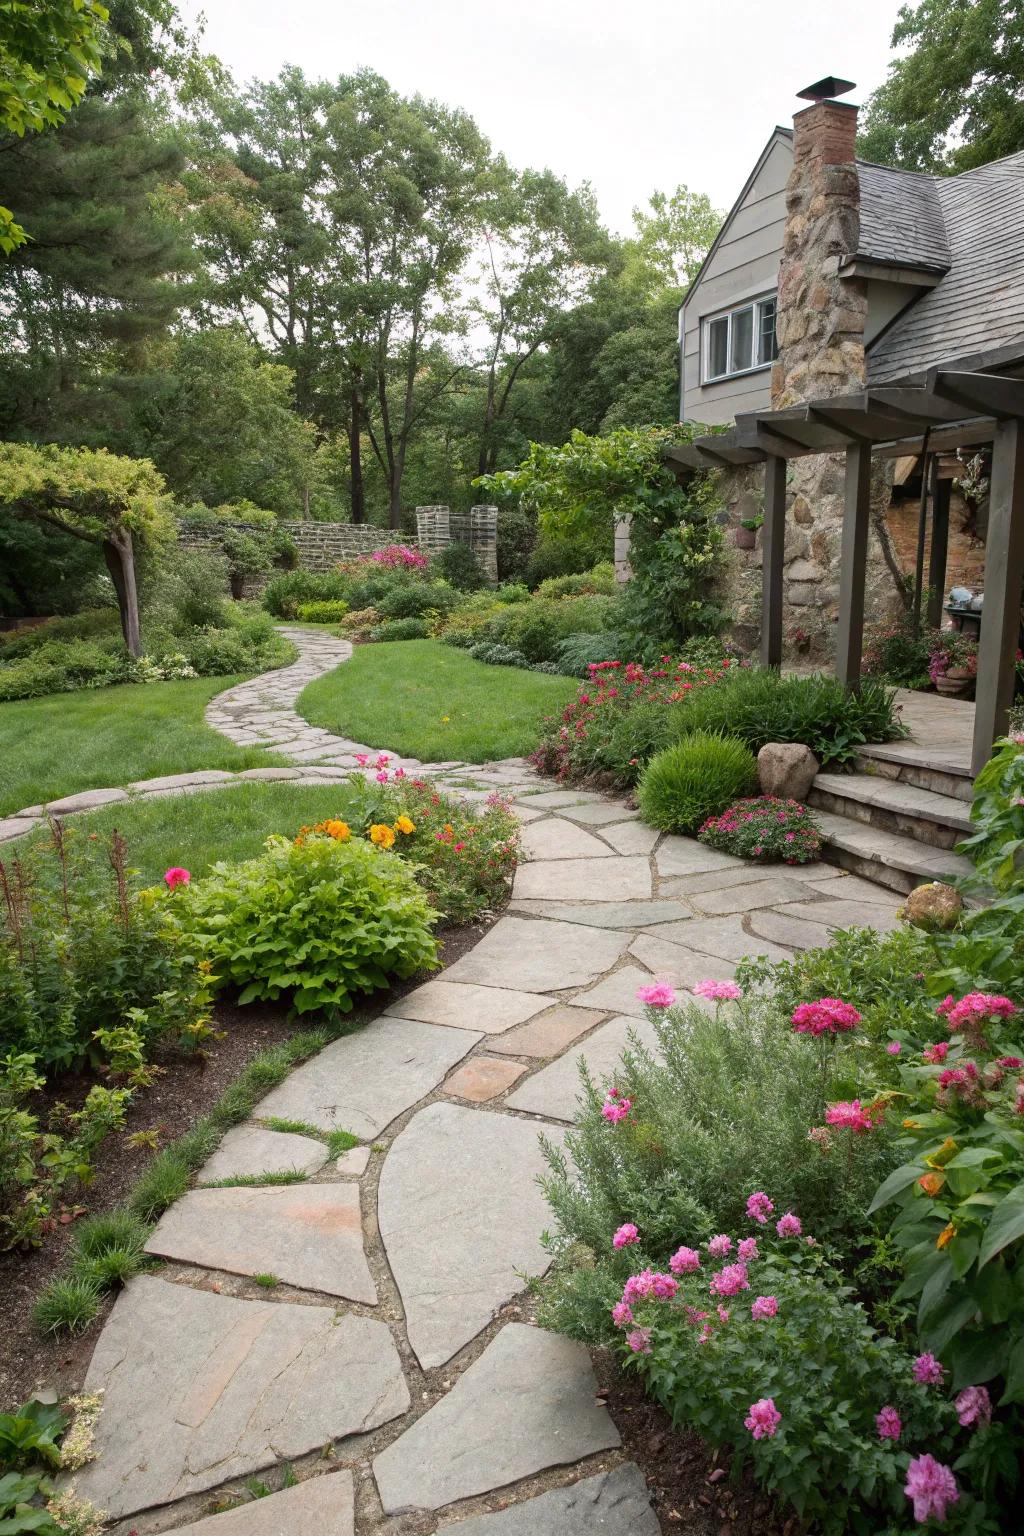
{"x":366,"y":1323}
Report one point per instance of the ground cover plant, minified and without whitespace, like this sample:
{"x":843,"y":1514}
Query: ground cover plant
{"x":766,"y":829}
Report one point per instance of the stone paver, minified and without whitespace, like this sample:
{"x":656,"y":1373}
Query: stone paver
{"x":795,"y":932}
{"x":630,"y":837}
{"x":361,"y":1082}
{"x":682,"y":967}
{"x":600,"y":813}
{"x":555,"y":1090}
{"x":200,"y":1388}
{"x":461,"y":1005}
{"x":609,"y":914}
{"x":323,"y":1505}
{"x":722,"y":936}
{"x":550,"y":1034}
{"x":249,"y":1150}
{"x":615,"y":1503}
{"x":616,"y":993}
{"x":749,"y":897}
{"x":461,"y":1214}
{"x":309,"y":1235}
{"x":526,"y":1404}
{"x":353,"y":1162}
{"x":520,"y":953}
{"x":554,"y":838}
{"x":553,"y":799}
{"x":848,"y":914}
{"x":622,"y":879}
{"x":87,"y":800}
{"x":482,"y":1078}
{"x":683,"y":856}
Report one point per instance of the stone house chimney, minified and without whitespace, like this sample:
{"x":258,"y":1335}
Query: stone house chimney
{"x":820,"y":317}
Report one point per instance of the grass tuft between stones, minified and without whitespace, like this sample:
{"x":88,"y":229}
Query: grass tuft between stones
{"x":337,"y":1141}
{"x":258,"y":1180}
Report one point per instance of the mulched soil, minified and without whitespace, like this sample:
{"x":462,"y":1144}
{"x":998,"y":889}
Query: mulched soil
{"x":189,"y":1087}
{"x":688,"y":1481}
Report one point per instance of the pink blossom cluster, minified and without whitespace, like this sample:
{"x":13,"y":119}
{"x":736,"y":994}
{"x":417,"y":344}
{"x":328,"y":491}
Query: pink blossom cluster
{"x":759,"y":1207}
{"x":973,"y":1008}
{"x":934,"y":1054}
{"x":973,"y":1406}
{"x":176,"y":876}
{"x":928,"y":1371}
{"x":789,"y":1225}
{"x":718,"y":991}
{"x":685,"y":1261}
{"x":828,"y":1016}
{"x":729,"y":1280}
{"x":763,"y":1419}
{"x":764,"y":1307}
{"x":719,"y":1246}
{"x":625,"y":1235}
{"x":854,"y":1116}
{"x":930,"y":1486}
{"x":394,"y":556}
{"x":660,"y":995}
{"x":615,"y":1106}
{"x":888,"y":1423}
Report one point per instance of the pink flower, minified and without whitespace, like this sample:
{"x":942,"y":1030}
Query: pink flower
{"x":763,"y":1308}
{"x":763,"y":1419}
{"x":382,"y":760}
{"x":663,"y":1287}
{"x":694,"y":1316}
{"x":976,"y":1006}
{"x":176,"y":876}
{"x":974,"y":1406}
{"x":625,"y":1235}
{"x":894,"y":1048}
{"x":381,"y":778}
{"x":828,"y":1016}
{"x":622,"y":1314}
{"x":928,"y":1371}
{"x":639,"y":1341}
{"x":936,"y":1053}
{"x":1011,"y":1063}
{"x":614,"y":1108}
{"x":852,"y":1116}
{"x":719,"y":1246}
{"x":638,"y":1287}
{"x":747,"y":1250}
{"x":362,"y":759}
{"x":658,"y":996}
{"x":888,"y":1423}
{"x":685,"y":1261}
{"x":945,"y":1006}
{"x":788,"y":1225}
{"x":718,"y":991}
{"x":930,"y":1486}
{"x":759,"y":1207}
{"x":399,"y":773}
{"x":729,"y":1281}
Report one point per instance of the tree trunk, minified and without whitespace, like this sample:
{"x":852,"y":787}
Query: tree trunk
{"x":120,"y":557}
{"x":355,"y":458}
{"x":488,"y":424}
{"x":395,"y":501}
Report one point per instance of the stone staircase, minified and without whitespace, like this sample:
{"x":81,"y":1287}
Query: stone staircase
{"x":897,"y":819}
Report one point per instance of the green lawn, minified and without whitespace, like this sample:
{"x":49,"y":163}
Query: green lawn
{"x":427,"y":700}
{"x":195,"y":830}
{"x":101,"y":737}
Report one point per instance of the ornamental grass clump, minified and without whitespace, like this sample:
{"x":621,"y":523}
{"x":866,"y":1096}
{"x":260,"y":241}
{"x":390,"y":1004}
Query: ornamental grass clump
{"x":765,"y":829}
{"x":696,"y":779}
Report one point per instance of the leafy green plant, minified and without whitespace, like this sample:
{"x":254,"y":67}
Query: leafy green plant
{"x":766,"y":829}
{"x":899,"y":652}
{"x":400,"y":629}
{"x":685,"y":784}
{"x":324,"y":611}
{"x":458,"y":565}
{"x":283,"y":594}
{"x":32,"y":1434}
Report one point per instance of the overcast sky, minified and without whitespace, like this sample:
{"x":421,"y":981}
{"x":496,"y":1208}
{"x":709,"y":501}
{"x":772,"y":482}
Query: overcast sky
{"x":630,"y":95}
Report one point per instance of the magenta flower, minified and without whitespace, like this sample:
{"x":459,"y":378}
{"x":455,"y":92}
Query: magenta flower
{"x":888,"y":1423}
{"x":976,"y":1006}
{"x":639,"y":1341}
{"x":759,"y":1207}
{"x":936,"y":1053}
{"x":729,"y":1281}
{"x":625,"y":1235}
{"x":622,"y":1314}
{"x":663,"y":1287}
{"x":381,"y":777}
{"x":788,"y":1225}
{"x":362,"y":759}
{"x":723,"y":1314}
{"x":176,"y":876}
{"x":763,"y":1308}
{"x":661,"y":995}
{"x":615,"y":1108}
{"x":719,"y":1246}
{"x":828,"y":1016}
{"x":853,"y":1116}
{"x":928,"y":1371}
{"x":930,"y":1486}
{"x":763,"y":1419}
{"x":747,"y":1250}
{"x":718,"y":991}
{"x":894,"y":1048}
{"x":685,"y":1261}
{"x":638,"y":1287}
{"x":973,"y":1406}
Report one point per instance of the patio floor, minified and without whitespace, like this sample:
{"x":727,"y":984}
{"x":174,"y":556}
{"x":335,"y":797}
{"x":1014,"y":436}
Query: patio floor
{"x":943,"y":729}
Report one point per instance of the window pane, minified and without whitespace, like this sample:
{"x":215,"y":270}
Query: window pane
{"x":768,"y":346}
{"x":718,"y":344}
{"x":741,"y":345}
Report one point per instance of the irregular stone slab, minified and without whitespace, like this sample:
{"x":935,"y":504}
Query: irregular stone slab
{"x":848,"y":914}
{"x":555,"y":838}
{"x":615,"y":1503}
{"x":324,"y":1504}
{"x":681,"y":967}
{"x":631,"y":837}
{"x":555,"y":1090}
{"x":745,"y":873}
{"x":523,"y":813}
{"x":17,"y":826}
{"x":181,"y":780}
{"x":616,"y":993}
{"x":526,"y":1404}
{"x":309,"y":1235}
{"x":270,"y":774}
{"x":482,"y":1078}
{"x":248,"y":1150}
{"x":88,"y":800}
{"x":354,"y":1161}
{"x":720,"y":936}
{"x":601,"y":814}
{"x":462,"y":1006}
{"x":621,"y":879}
{"x":361,"y":1082}
{"x":538,"y":957}
{"x":200,"y":1388}
{"x":684,"y":856}
{"x":550,"y":1034}
{"x":610,"y":914}
{"x":554,"y":798}
{"x":794,"y":932}
{"x":748,"y":898}
{"x":460,"y":1214}
{"x":846,"y":887}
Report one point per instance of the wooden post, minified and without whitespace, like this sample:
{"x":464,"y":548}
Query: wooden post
{"x":773,"y":545}
{"x":853,"y":564}
{"x":937,"y":556}
{"x":1004,"y":575}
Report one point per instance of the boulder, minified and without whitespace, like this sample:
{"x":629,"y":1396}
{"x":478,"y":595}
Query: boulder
{"x":935,"y":907}
{"x":786,"y":769}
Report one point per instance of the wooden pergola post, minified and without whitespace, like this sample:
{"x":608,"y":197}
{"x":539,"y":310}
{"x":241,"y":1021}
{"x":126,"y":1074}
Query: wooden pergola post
{"x":939,"y":549}
{"x":1004,"y":576}
{"x":773,"y":546}
{"x":853,"y":564}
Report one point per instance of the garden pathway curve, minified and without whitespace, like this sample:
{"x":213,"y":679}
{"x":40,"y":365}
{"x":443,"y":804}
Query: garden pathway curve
{"x":365,"y":1323}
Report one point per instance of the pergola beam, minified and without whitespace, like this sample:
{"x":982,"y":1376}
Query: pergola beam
{"x":853,"y":564}
{"x":980,"y":394}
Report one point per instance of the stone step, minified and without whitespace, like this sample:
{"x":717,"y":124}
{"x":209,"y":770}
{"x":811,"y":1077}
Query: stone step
{"x":940,"y":821}
{"x":888,"y":858}
{"x":909,"y":764}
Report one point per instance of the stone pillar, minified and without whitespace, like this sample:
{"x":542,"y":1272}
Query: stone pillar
{"x":483,"y":538}
{"x":623,"y":536}
{"x":433,"y":528}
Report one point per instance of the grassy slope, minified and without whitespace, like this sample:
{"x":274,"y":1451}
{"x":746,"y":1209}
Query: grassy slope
{"x":110,"y":736}
{"x":424,"y":699}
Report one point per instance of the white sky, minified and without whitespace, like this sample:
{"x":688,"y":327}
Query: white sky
{"x":630,"y":95}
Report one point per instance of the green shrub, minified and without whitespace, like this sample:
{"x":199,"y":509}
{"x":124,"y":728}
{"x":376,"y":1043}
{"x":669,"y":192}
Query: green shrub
{"x":459,"y":567}
{"x":97,"y":624}
{"x":411,"y":599}
{"x":326,"y":611}
{"x":697,"y":778}
{"x":900,"y":653}
{"x":574,"y":654}
{"x":188,"y":590}
{"x":600,"y":579}
{"x":283,"y":594}
{"x":400,"y":629}
{"x":319,"y":921}
{"x":501,"y":656}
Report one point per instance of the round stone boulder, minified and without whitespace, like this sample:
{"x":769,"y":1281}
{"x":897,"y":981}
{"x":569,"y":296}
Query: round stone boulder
{"x":935,"y":907}
{"x":786,"y":769}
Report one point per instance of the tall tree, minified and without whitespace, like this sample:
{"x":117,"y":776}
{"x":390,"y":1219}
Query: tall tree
{"x":956,"y":99}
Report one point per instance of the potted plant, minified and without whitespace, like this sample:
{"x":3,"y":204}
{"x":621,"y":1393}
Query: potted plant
{"x":953,"y":663}
{"x":746,"y":532}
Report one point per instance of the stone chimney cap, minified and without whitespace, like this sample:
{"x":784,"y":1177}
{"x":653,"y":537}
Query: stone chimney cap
{"x":824,"y":90}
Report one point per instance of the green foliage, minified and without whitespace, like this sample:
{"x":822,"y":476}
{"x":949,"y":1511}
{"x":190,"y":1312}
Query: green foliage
{"x":283,"y":594}
{"x":575,"y":654}
{"x":765,"y":829}
{"x":900,"y":653}
{"x":459,"y":567}
{"x":67,"y":1305}
{"x":685,"y":784}
{"x":324,"y":611}
{"x":601,"y":578}
{"x":319,"y":922}
{"x":405,"y":598}
{"x":400,"y":629}
{"x":31,"y":1434}
{"x":48,"y":51}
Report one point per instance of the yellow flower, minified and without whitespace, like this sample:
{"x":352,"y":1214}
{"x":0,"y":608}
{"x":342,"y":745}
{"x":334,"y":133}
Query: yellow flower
{"x":945,"y":1236}
{"x":445,"y":719}
{"x":911,"y":1125}
{"x":382,"y":835}
{"x":403,"y":824}
{"x":339,"y":830}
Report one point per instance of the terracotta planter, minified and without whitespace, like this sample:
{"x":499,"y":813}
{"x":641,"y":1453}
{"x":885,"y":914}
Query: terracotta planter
{"x":746,"y":538}
{"x":955,"y":683}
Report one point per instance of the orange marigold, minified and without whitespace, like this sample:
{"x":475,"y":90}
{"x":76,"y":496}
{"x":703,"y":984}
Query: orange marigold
{"x":382,"y":835}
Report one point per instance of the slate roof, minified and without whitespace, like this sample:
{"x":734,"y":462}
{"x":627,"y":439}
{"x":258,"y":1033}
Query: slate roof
{"x":901,"y":218}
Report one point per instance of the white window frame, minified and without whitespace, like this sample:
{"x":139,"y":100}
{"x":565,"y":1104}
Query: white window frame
{"x":756,"y":306}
